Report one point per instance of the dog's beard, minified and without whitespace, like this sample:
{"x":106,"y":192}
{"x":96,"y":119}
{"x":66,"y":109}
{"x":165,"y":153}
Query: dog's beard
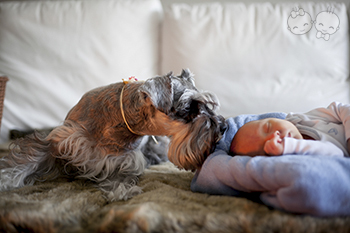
{"x":190,"y":147}
{"x":192,"y":143}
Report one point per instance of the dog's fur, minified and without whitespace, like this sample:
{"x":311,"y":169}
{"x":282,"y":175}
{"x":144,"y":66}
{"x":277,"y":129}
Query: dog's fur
{"x":94,"y":142}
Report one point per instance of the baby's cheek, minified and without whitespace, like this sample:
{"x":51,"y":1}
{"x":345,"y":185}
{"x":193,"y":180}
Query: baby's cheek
{"x":309,"y":25}
{"x":269,"y":147}
{"x":331,"y":30}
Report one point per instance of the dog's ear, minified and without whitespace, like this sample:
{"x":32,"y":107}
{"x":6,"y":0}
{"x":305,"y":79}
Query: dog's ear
{"x":159,"y":91}
{"x":187,"y":75}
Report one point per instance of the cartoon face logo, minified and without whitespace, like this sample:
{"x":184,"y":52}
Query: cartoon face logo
{"x":326,"y":23}
{"x":299,"y":22}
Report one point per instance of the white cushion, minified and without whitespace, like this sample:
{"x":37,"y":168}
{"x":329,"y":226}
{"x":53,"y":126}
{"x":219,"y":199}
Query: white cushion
{"x":249,"y":58}
{"x":55,"y":51}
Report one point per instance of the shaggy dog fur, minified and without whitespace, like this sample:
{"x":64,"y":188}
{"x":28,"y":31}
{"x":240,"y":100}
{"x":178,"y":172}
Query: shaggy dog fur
{"x":96,"y":142}
{"x":166,"y":205}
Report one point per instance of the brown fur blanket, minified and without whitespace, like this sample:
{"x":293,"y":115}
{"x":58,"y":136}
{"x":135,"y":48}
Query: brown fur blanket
{"x":166,"y":205}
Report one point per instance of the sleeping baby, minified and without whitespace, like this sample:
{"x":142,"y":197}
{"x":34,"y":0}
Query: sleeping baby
{"x":315,"y":184}
{"x":322,"y":131}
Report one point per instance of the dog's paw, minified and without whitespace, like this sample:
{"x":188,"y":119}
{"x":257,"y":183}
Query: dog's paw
{"x":122,"y":192}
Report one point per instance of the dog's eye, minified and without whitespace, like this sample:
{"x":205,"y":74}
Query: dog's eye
{"x":144,"y":95}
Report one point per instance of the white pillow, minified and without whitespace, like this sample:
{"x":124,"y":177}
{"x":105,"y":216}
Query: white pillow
{"x":55,"y":51}
{"x":249,"y":58}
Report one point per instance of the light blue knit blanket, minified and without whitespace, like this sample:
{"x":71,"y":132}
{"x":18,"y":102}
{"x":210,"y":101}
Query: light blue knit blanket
{"x":315,"y":185}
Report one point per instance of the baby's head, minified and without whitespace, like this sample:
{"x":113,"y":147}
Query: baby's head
{"x":327,"y":22}
{"x":299,"y":22}
{"x":254,"y":137}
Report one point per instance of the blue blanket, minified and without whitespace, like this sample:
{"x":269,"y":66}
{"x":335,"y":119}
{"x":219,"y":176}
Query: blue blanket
{"x":315,"y":185}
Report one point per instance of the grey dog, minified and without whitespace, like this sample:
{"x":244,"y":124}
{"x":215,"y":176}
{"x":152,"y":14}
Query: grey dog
{"x":103,"y":136}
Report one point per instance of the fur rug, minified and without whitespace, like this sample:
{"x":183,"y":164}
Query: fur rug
{"x":166,"y":205}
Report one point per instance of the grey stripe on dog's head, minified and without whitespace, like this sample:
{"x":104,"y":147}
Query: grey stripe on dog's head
{"x":166,"y":91}
{"x":159,"y":90}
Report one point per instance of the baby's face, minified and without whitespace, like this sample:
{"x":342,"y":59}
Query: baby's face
{"x":250,"y":139}
{"x":300,"y":24}
{"x":327,"y":22}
